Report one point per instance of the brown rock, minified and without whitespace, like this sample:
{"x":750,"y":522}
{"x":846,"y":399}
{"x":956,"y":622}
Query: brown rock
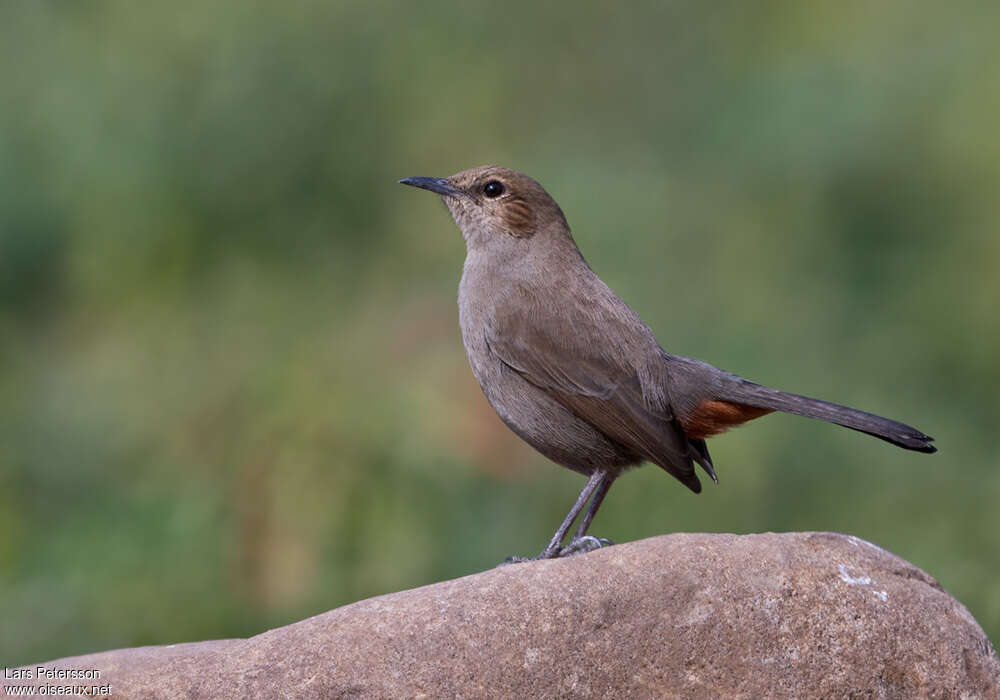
{"x":686,"y":615}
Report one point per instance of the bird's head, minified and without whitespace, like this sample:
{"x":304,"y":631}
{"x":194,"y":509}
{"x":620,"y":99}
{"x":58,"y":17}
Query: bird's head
{"x":490,"y":202}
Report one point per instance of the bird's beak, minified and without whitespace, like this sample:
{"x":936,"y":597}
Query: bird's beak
{"x":434,"y":184}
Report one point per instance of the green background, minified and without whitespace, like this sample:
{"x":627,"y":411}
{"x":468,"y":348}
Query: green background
{"x":232,"y":387}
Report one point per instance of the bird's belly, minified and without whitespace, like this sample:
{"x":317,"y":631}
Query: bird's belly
{"x":530,"y":412}
{"x":545,"y":424}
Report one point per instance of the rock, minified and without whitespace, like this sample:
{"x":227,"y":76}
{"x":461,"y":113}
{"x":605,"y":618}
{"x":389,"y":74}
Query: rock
{"x":686,"y":615}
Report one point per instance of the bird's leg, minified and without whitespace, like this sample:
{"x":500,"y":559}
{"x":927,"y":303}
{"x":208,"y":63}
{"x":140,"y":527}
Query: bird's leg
{"x":554,"y":547}
{"x":582,"y":542}
{"x":602,"y":491}
{"x":597,"y":485}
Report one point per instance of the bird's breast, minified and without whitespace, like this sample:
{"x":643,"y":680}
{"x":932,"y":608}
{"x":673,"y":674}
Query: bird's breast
{"x":476,"y":305}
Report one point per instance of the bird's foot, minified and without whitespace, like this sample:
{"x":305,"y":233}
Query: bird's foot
{"x":515,"y":560}
{"x":580,"y":545}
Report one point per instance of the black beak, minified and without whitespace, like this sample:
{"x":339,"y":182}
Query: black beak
{"x":434,"y":184}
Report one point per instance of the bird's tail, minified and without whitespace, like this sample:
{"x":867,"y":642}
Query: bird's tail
{"x":750,"y":394}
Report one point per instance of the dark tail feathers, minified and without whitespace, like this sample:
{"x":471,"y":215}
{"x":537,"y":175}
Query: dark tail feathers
{"x":883,"y":428}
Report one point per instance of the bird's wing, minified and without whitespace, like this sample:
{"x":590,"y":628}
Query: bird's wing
{"x":579,"y":359}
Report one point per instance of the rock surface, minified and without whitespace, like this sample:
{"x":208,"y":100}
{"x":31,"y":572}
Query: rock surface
{"x":686,"y":615}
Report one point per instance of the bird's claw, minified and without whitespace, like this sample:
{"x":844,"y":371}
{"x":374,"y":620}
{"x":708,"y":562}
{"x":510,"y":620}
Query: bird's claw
{"x":580,"y":545}
{"x":515,"y":560}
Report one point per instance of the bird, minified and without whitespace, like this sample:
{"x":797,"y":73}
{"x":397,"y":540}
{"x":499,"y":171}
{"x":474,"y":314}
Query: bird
{"x":575,"y":372}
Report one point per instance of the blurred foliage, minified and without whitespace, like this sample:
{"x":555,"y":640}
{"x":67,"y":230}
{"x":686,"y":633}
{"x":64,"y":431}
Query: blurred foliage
{"x":232,"y":387}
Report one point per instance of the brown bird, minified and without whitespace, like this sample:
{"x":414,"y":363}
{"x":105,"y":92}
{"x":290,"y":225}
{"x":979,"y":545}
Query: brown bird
{"x":574,"y":371}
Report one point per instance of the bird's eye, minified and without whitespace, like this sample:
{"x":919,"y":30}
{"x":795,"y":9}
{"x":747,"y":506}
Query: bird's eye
{"x":493,"y":189}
